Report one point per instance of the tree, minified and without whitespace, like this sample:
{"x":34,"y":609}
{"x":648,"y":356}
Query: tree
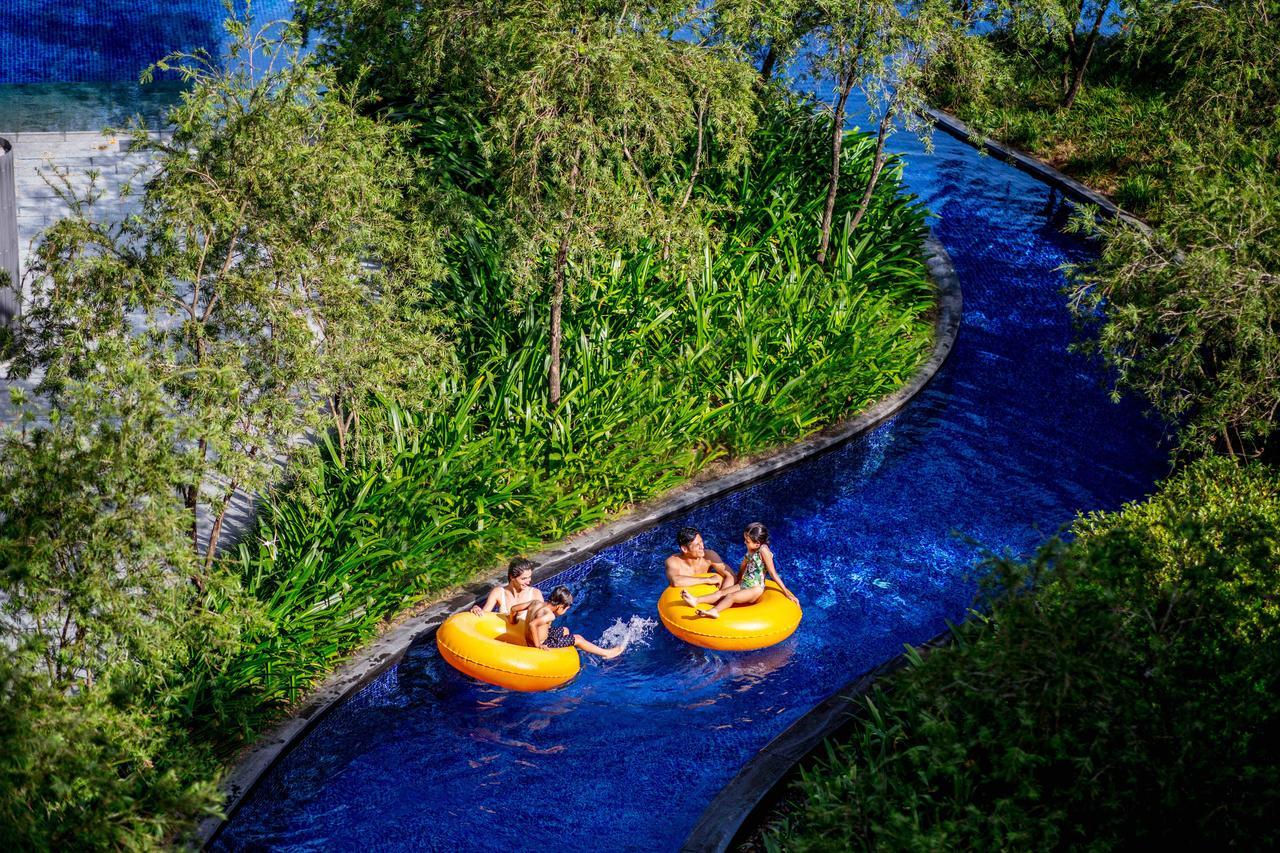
{"x":1064,"y":32}
{"x":99,"y":623}
{"x":1188,"y":315}
{"x":598,"y":121}
{"x":885,"y":48}
{"x":595,"y":113}
{"x":772,"y":31}
{"x":270,"y":281}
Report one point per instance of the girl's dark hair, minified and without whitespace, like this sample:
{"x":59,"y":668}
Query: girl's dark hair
{"x":518,"y":567}
{"x":757,"y":533}
{"x":560,"y":595}
{"x":686,"y":535}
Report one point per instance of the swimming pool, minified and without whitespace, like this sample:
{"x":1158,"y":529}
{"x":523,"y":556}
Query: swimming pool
{"x":74,"y":64}
{"x":1014,"y":436}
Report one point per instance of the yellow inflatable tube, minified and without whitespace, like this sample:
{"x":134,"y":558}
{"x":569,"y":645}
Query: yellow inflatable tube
{"x":770,"y":620}
{"x":487,"y":648}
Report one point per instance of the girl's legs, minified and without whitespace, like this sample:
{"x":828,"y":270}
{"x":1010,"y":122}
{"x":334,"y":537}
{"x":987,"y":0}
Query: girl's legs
{"x":693,"y":601}
{"x":591,"y":647}
{"x":738,"y":596}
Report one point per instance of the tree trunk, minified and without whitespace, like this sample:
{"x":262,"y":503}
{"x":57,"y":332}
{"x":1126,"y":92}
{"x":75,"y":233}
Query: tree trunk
{"x":557,"y":301}
{"x":216,"y":532}
{"x":833,"y":180}
{"x":1070,"y":98}
{"x":877,"y":165}
{"x":766,"y":67}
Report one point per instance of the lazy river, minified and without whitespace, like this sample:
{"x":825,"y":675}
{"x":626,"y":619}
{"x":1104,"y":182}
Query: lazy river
{"x":1013,"y":437}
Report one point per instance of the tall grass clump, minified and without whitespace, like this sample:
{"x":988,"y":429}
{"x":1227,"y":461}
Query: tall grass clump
{"x":669,"y":365}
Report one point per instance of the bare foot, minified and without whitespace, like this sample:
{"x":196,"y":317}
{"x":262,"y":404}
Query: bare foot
{"x":710,"y":614}
{"x":610,"y":654}
{"x":689,"y":599}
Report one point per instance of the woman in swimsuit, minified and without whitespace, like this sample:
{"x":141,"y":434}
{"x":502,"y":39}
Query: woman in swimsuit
{"x":539,"y":633}
{"x":750,"y":585}
{"x":518,"y":589}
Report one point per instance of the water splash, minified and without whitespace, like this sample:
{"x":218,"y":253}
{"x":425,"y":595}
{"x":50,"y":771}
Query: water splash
{"x":634,"y":632}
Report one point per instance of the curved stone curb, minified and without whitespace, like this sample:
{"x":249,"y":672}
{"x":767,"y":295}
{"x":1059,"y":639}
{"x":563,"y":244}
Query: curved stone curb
{"x":1032,"y":166}
{"x":389,"y":648}
{"x":721,"y":821}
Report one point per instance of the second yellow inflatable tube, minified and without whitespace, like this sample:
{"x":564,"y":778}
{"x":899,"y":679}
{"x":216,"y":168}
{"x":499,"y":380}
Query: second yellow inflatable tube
{"x":487,"y":648}
{"x":753,"y":626}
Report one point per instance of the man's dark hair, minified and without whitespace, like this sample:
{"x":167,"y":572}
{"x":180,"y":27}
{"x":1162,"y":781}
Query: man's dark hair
{"x":518,"y":567}
{"x":686,"y":535}
{"x":560,"y":596}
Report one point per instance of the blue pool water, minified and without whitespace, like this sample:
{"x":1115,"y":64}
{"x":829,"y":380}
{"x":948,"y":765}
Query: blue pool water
{"x":74,"y":64}
{"x":1012,"y":439}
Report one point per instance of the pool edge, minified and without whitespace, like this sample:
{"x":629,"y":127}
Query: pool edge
{"x":741,"y":800}
{"x":1031,"y":165}
{"x":388,"y":649}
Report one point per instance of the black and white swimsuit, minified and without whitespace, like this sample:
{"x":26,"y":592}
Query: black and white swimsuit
{"x":558,"y":637}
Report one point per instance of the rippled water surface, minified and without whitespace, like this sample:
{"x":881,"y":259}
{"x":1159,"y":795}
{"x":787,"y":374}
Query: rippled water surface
{"x":74,"y":64}
{"x":1010,"y":441}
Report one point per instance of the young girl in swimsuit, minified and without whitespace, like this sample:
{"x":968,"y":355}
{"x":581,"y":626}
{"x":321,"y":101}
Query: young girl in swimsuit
{"x":539,"y":633}
{"x":750,"y":585}
{"x":519,"y":589}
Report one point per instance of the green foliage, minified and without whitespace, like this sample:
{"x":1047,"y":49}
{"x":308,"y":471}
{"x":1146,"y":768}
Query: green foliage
{"x":101,"y":624}
{"x":246,"y":280}
{"x":594,"y":116}
{"x":88,"y":771}
{"x":1182,"y":126}
{"x":1190,"y":316}
{"x":1122,"y":691}
{"x":666,"y":372}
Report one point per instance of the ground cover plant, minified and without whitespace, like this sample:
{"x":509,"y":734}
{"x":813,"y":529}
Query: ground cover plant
{"x":378,"y":305}
{"x":1117,"y":691}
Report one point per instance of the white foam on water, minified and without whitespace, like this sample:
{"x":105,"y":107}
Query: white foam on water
{"x":634,"y":632}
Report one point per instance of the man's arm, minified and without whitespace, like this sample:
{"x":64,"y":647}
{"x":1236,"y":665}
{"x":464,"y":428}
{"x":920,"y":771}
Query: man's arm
{"x":718,"y":564}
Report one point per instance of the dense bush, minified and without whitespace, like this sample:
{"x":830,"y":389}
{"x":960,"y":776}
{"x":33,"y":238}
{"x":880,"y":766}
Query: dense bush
{"x":1123,"y":690}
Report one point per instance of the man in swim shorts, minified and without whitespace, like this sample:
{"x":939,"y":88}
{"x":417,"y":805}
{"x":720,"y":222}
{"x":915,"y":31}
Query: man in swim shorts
{"x":539,"y":633}
{"x":695,"y":559}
